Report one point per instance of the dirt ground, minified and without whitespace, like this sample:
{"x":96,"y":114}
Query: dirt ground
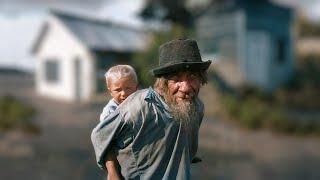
{"x":63,"y":149}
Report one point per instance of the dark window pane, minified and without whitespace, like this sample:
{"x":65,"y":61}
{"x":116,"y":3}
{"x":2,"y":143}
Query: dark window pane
{"x":52,"y":71}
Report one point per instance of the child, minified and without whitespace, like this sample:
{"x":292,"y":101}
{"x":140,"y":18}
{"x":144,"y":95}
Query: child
{"x":121,"y":81}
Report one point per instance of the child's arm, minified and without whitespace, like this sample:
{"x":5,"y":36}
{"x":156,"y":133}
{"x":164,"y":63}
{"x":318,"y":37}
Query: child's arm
{"x":112,"y":167}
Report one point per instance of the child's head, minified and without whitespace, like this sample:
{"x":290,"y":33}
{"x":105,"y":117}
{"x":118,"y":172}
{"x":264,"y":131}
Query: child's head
{"x":121,"y":82}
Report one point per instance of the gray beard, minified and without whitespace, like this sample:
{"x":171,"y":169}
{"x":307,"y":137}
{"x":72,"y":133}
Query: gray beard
{"x":185,"y":112}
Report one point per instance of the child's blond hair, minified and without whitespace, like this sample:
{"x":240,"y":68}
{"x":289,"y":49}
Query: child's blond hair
{"x":120,"y":71}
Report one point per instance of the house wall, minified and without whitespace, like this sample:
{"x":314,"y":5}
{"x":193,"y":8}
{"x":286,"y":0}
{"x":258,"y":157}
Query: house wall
{"x":61,"y":45}
{"x":275,"y":22}
{"x":244,"y":38}
{"x":283,"y":69}
{"x":221,"y":37}
{"x":259,"y":54}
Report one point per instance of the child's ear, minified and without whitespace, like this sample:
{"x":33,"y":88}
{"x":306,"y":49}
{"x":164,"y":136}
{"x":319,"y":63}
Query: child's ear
{"x":108,"y":90}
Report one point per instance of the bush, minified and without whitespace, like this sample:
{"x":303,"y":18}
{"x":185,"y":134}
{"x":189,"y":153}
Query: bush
{"x":303,"y":89}
{"x":253,"y":108}
{"x":249,"y":113}
{"x":15,"y":114}
{"x":278,"y":122}
{"x":252,"y":113}
{"x":307,"y":28}
{"x":231,"y":104}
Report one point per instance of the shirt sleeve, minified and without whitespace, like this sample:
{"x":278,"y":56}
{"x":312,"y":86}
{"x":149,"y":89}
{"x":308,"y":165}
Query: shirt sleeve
{"x":201,"y":111}
{"x":195,"y":134}
{"x":103,"y":136}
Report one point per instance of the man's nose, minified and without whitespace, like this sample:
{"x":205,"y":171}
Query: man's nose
{"x":185,"y":86}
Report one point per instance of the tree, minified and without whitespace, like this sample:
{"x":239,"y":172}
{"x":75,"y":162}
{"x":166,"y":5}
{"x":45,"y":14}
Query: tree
{"x":174,"y":11}
{"x":307,"y":28}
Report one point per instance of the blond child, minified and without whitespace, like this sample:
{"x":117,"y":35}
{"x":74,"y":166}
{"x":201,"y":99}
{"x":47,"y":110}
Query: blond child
{"x":121,"y":81}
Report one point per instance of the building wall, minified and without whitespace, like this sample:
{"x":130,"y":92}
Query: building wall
{"x":277,"y":23}
{"x":61,"y":45}
{"x":251,"y":43}
{"x":221,"y":37}
{"x":259,"y":54}
{"x":282,"y":69}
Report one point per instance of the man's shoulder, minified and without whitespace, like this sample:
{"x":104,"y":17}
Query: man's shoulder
{"x":139,"y":94}
{"x":138,"y":98}
{"x":135,"y":106}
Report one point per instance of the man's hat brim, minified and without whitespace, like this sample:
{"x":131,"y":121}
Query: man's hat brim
{"x":180,"y":67}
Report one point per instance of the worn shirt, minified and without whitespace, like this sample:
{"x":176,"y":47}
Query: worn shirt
{"x":149,"y":143}
{"x":108,"y":109}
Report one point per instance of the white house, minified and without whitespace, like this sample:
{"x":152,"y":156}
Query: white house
{"x":73,"y":52}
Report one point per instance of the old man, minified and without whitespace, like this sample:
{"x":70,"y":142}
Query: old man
{"x":154,"y":132}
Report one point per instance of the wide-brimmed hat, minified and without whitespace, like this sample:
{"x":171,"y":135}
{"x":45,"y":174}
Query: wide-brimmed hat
{"x":179,"y":55}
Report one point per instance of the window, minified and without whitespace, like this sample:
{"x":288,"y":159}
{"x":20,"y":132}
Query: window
{"x":52,"y":70}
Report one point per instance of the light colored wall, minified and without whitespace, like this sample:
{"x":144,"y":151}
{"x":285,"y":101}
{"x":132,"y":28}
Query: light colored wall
{"x":259,"y":59}
{"x":228,"y":59}
{"x":59,"y":43}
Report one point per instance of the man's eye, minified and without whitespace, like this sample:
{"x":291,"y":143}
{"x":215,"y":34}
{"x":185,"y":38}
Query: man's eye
{"x":193,"y":76}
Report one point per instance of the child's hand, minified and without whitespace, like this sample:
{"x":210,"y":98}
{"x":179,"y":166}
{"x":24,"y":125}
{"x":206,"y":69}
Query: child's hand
{"x":113,"y":176}
{"x":112,"y":165}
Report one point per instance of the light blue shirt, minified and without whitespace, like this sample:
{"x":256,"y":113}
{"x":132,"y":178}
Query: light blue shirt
{"x":148,"y":142}
{"x":108,"y":109}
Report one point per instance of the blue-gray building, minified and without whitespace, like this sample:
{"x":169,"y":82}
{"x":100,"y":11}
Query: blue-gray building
{"x":252,"y":42}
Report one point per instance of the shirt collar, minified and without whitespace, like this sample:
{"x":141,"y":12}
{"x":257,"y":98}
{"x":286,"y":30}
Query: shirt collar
{"x":115,"y":102}
{"x":158,"y":100}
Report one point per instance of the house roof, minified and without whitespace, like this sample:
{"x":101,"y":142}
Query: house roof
{"x":99,"y":35}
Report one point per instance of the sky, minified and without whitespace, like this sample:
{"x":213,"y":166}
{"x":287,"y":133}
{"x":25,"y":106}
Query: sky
{"x":20,"y":21}
{"x":311,"y":8}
